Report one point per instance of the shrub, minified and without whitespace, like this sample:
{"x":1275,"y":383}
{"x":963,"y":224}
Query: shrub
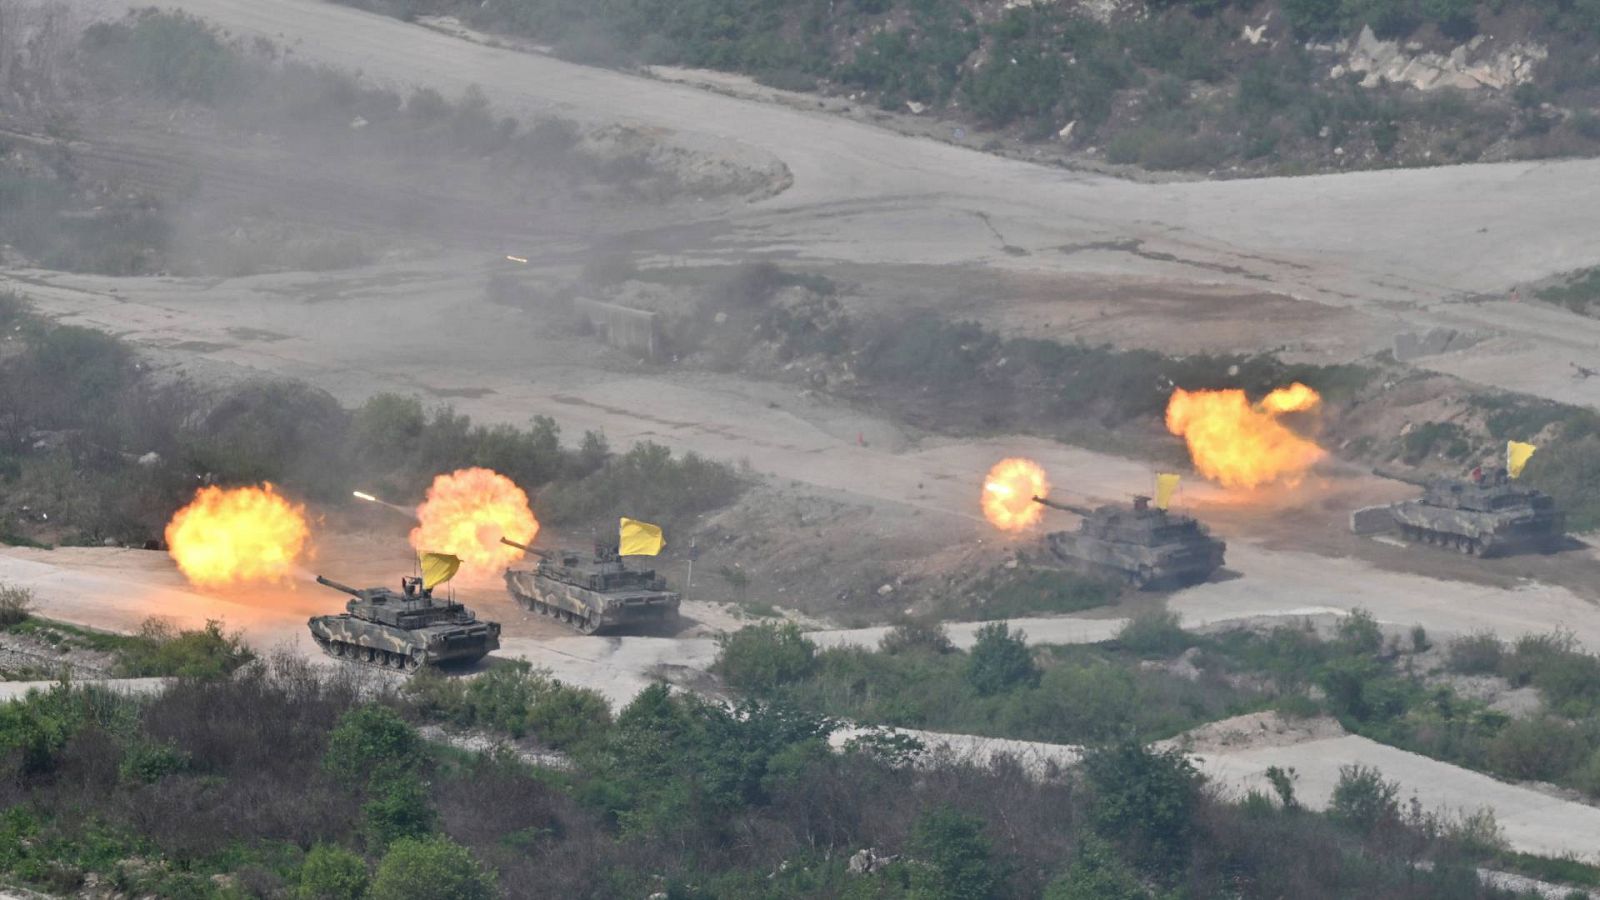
{"x":1145,"y":797}
{"x":1359,"y":633}
{"x":954,"y":857}
{"x":1478,"y":654}
{"x":1540,"y":748}
{"x":162,"y":651}
{"x":1000,"y":661}
{"x":1154,"y":633}
{"x":16,"y":604}
{"x":646,"y":483}
{"x":1363,"y":800}
{"x":368,"y":739}
{"x":397,"y":808}
{"x":1532,"y":652}
{"x":171,"y":54}
{"x":431,"y":869}
{"x":513,"y":700}
{"x":916,"y":636}
{"x":1096,"y":874}
{"x":332,"y":873}
{"x":760,"y":659}
{"x":146,"y":763}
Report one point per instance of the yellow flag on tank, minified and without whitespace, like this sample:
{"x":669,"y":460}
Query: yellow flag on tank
{"x":1517,"y":454}
{"x":639,"y":538}
{"x":1166,"y":486}
{"x":437,"y":568}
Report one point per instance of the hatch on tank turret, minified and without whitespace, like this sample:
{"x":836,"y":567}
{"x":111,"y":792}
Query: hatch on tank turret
{"x":404,"y":629}
{"x":1138,"y":544}
{"x":595,"y":593}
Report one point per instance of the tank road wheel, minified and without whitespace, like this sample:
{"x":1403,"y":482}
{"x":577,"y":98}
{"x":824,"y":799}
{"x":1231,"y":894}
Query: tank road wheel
{"x":372,"y":655}
{"x":1464,"y":544}
{"x":414,"y":661}
{"x":340,"y":649}
{"x":587,"y":626}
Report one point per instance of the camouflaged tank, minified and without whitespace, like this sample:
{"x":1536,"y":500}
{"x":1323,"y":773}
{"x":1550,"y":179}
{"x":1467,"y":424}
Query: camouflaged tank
{"x":592,"y":595}
{"x":405,"y":630}
{"x":1139,"y":544}
{"x":1484,"y":514}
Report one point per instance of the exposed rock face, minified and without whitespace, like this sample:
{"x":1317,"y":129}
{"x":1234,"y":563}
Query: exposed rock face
{"x":1469,"y":66}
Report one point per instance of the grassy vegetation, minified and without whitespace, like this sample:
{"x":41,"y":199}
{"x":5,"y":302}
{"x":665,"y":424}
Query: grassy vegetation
{"x":328,"y":791}
{"x":1177,"y":89}
{"x":1008,"y":593}
{"x":158,"y":650}
{"x":82,"y":414}
{"x":1156,"y":680}
{"x":1580,"y":292}
{"x":1000,"y":688}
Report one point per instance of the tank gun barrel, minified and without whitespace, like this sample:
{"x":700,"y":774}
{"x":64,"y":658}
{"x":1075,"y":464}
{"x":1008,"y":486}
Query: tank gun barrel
{"x":1066,"y":507}
{"x":1400,"y":476}
{"x":524,"y":547}
{"x":329,"y":582}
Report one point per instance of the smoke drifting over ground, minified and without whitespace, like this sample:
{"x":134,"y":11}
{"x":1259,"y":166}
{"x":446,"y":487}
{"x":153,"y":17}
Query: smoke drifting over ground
{"x":156,"y":143}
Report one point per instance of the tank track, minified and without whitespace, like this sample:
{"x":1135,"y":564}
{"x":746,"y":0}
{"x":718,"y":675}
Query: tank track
{"x":368,"y":656}
{"x":1460,"y":543}
{"x":583,"y":625}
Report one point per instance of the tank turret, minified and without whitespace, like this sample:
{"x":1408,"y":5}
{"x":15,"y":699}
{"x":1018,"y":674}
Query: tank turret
{"x":403,"y":629}
{"x":1139,"y":544}
{"x":591,"y":594}
{"x":1485,"y":513}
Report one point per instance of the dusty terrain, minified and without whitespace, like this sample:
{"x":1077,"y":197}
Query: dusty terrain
{"x":1328,"y":267}
{"x":1404,"y":247}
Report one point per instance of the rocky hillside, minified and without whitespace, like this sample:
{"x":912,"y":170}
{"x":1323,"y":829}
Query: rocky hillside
{"x":1276,"y":86}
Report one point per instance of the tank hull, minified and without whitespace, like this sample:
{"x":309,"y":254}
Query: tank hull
{"x":1142,"y":566}
{"x":1479,"y":533}
{"x":589,"y":611}
{"x":357,"y":640}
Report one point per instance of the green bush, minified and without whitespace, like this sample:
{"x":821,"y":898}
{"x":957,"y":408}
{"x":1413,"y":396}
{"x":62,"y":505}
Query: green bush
{"x":1154,"y":633}
{"x":171,"y":54}
{"x":760,"y":659}
{"x":1359,"y":633}
{"x":332,"y":873}
{"x":513,"y":700}
{"x":953,"y":856}
{"x":1143,"y":798}
{"x":1362,"y":800}
{"x":1539,"y":748}
{"x":160,"y":650}
{"x":397,"y":808}
{"x":146,"y":763}
{"x":646,"y":483}
{"x":1477,"y":654}
{"x":1008,"y":593}
{"x":16,"y":604}
{"x":1096,"y":874}
{"x":1000,"y":661}
{"x":916,"y":636}
{"x":370,"y":739}
{"x":431,"y":869}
